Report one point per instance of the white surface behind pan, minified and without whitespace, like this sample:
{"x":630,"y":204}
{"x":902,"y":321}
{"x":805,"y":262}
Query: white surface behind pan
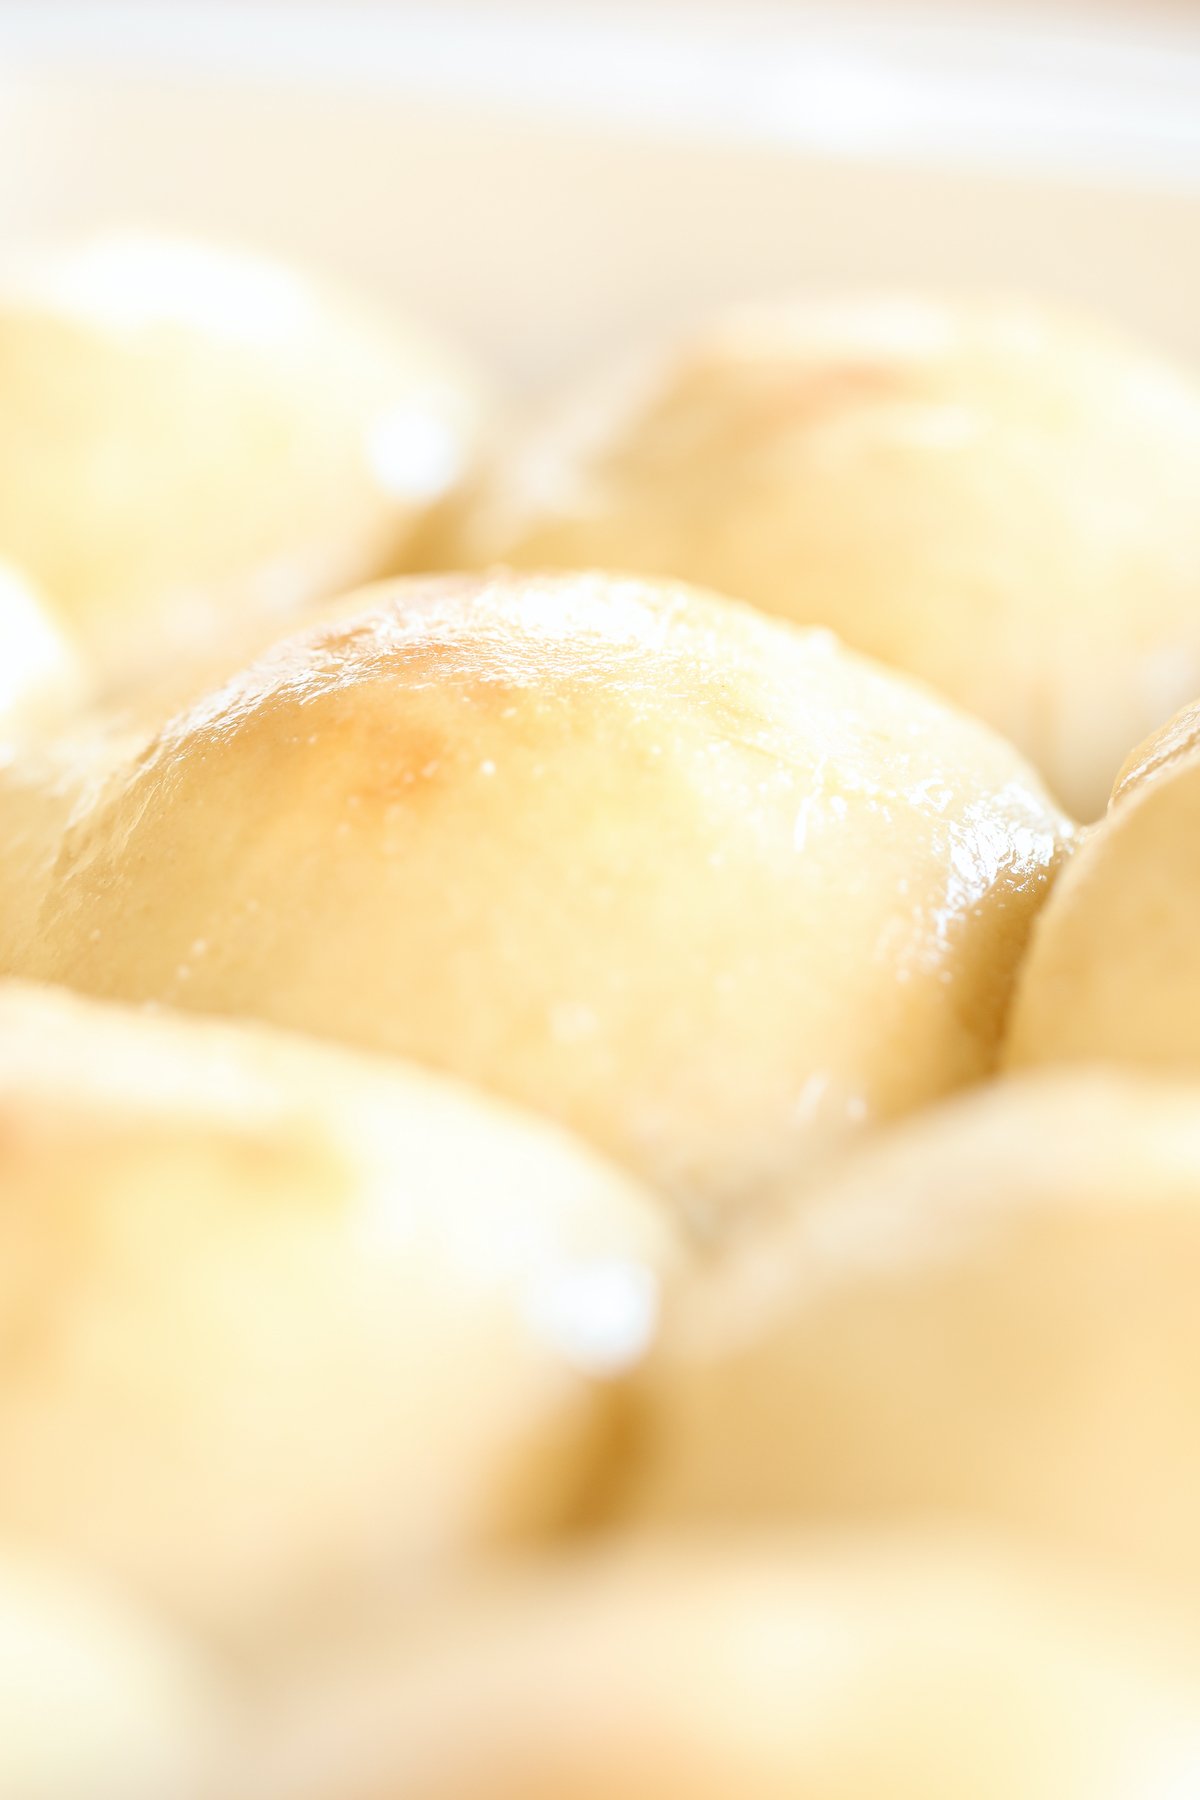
{"x":552,"y":182}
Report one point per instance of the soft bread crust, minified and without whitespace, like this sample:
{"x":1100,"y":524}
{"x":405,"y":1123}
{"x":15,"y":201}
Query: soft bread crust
{"x":1175,"y":747}
{"x":989,"y":1313}
{"x":282,"y":1325}
{"x":1000,"y":498}
{"x":49,"y":778}
{"x":845,"y":1669}
{"x":190,"y":434}
{"x":710,"y":891}
{"x":60,"y":742}
{"x":96,"y":1701}
{"x":1113,"y":972}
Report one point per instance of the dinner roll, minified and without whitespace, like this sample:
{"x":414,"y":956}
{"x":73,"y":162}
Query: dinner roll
{"x":96,"y":1703}
{"x":990,"y":1313}
{"x":1163,"y":752}
{"x":848,"y":1671}
{"x":56,"y":756}
{"x":1113,"y":973}
{"x":1001,"y":498}
{"x":55,"y":759}
{"x":711,"y":891}
{"x":189,"y":433}
{"x":285,"y":1324}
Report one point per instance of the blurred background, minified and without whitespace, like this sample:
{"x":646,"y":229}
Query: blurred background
{"x":550,"y":181}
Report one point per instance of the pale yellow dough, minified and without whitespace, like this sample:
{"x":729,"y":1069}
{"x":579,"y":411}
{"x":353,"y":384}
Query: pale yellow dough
{"x":711,"y":891}
{"x":190,"y":435}
{"x":999,"y":497}
{"x":96,"y":1701}
{"x":282,"y":1325}
{"x":1113,"y":973}
{"x":838,"y":1671}
{"x":989,"y":1314}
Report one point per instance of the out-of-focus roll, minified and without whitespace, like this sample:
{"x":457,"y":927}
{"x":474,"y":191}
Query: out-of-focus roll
{"x":853,"y":1671}
{"x":988,"y":1314}
{"x":189,"y":435}
{"x":284,"y":1325}
{"x":711,"y":891}
{"x":1113,"y":973}
{"x":96,"y":1703}
{"x":39,"y":673}
{"x":998,"y":497}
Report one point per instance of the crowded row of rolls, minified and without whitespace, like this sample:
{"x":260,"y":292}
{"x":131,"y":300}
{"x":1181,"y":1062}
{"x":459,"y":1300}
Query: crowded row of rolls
{"x":598,"y":1193}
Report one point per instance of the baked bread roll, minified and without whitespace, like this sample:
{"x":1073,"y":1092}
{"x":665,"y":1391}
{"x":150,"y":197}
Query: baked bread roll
{"x":1113,"y":973}
{"x":989,"y":1314}
{"x":710,"y":891}
{"x":60,"y":743}
{"x":48,"y":778}
{"x":189,"y":434}
{"x":852,"y":1671}
{"x":287,"y":1325}
{"x":997,"y":497}
{"x":96,"y":1703}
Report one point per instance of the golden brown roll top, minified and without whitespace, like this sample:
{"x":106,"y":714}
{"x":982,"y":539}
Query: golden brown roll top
{"x":1000,"y":498}
{"x":190,"y":435}
{"x":712,"y":892}
{"x":284,"y":1327}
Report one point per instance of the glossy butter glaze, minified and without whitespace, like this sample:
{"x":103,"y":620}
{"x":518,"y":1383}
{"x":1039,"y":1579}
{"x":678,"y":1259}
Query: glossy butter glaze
{"x":710,"y":891}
